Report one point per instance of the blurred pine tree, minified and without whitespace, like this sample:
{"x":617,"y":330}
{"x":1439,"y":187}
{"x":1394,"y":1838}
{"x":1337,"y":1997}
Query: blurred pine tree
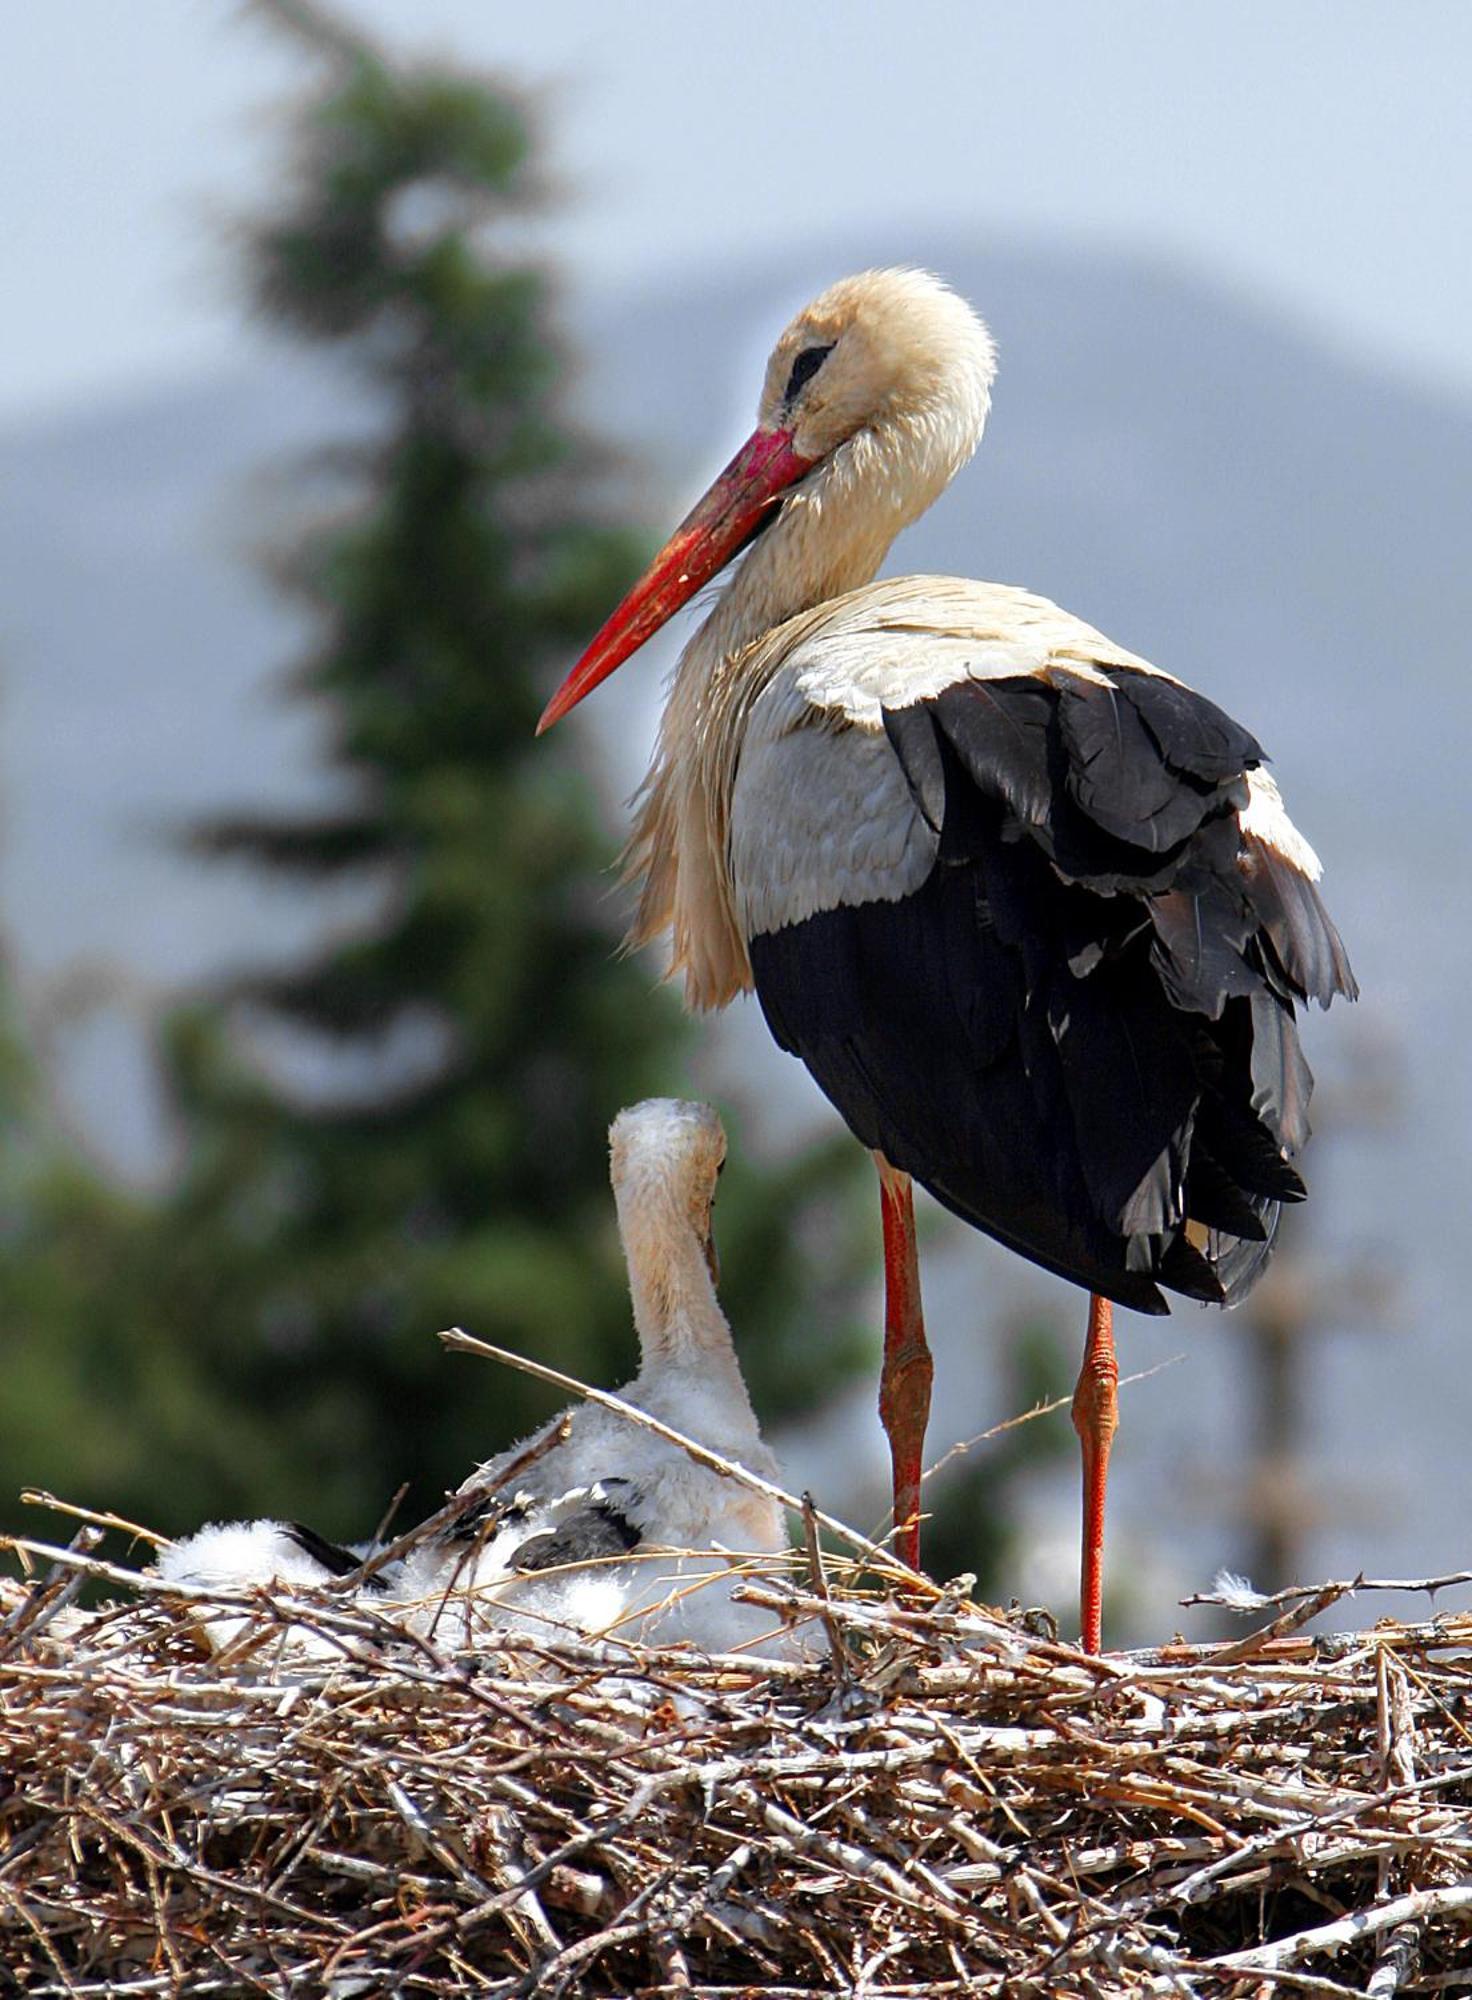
{"x":409,"y":1130}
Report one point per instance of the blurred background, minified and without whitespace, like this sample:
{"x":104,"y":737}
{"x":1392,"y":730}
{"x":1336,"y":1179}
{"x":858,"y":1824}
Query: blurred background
{"x":354,"y":360}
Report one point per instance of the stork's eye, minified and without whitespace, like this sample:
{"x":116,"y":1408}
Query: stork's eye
{"x":805,"y":368}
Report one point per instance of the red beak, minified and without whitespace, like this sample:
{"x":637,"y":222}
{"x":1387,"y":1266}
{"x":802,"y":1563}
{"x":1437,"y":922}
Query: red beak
{"x":705,"y":541}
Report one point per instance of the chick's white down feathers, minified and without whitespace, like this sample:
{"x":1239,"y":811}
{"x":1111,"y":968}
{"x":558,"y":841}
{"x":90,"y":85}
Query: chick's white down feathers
{"x":593,"y":1525}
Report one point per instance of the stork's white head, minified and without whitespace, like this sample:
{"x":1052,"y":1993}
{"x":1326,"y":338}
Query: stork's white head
{"x":879,"y":351}
{"x":665,"y":1155}
{"x":874,"y":398}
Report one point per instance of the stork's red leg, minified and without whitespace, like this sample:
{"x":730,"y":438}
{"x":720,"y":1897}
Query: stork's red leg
{"x":904,"y":1385}
{"x":1096,"y":1418}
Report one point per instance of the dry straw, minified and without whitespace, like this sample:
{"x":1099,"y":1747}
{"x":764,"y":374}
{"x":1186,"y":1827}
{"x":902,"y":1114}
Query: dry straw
{"x":938,"y":1802}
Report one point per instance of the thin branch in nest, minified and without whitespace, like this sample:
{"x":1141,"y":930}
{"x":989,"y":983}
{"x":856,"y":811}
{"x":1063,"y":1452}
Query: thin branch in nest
{"x":1281,"y":1627}
{"x":34,"y":1496}
{"x":1358,"y":1925}
{"x":842,"y":1664}
{"x":1227,"y":1591}
{"x":871,"y":1552}
{"x":51,"y":1596}
{"x":459,"y":1504}
{"x":1043,"y":1408}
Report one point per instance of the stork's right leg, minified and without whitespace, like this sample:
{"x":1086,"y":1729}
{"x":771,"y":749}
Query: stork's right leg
{"x":904,"y":1385}
{"x":1096,"y":1418}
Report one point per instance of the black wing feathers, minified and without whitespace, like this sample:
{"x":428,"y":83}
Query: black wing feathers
{"x":1079,"y":1032}
{"x":1001,"y":737}
{"x":912,"y":738}
{"x":337,"y":1561}
{"x":1117,"y":775}
{"x":589,"y":1535}
{"x":1193,"y":735}
{"x":1301,"y":943}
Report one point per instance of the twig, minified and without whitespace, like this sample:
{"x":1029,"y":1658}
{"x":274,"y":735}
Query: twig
{"x":1395,"y":1965}
{"x":1280,"y":1628}
{"x":1293,"y":1591}
{"x":61,"y":1584}
{"x":1043,"y":1408}
{"x":35,"y":1496}
{"x":1422,"y":1907}
{"x":842,"y":1664}
{"x":471,"y":1495}
{"x":1399,"y":1950}
{"x":872,"y":1553}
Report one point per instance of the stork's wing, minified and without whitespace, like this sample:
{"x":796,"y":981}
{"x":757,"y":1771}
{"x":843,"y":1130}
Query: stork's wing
{"x":1074,"y":1023}
{"x":335,"y":1560}
{"x":536,"y":1530}
{"x":591,"y":1534}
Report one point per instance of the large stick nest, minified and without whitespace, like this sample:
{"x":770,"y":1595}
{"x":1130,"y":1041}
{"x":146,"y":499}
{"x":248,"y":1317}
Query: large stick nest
{"x":939,"y":1803}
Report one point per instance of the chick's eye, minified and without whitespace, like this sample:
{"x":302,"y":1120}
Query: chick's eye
{"x":805,"y":368}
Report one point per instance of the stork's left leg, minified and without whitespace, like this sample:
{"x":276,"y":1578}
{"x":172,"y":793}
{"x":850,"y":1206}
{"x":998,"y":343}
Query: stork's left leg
{"x":1096,"y":1418}
{"x":904,"y":1385}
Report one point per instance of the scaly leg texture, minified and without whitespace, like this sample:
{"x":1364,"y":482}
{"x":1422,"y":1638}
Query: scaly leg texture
{"x":904,"y":1385}
{"x":1096,"y":1418}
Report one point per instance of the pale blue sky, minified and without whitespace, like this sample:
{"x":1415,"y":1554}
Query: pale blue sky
{"x":1316,"y":154}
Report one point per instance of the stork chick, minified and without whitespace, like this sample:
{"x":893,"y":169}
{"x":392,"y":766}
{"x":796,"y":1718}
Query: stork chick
{"x":611,"y":1528}
{"x":594,"y":1524}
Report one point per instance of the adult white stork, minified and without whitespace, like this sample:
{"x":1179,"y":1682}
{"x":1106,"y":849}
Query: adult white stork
{"x":1030,"y":911}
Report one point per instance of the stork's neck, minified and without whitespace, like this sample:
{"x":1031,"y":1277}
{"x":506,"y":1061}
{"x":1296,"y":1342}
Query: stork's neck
{"x":834,"y":530}
{"x":830,"y":537}
{"x":800,"y":561}
{"x":676,"y":1313}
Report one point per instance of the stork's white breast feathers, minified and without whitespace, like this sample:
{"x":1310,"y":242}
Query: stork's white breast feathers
{"x":811,"y":830}
{"x":821,"y":814}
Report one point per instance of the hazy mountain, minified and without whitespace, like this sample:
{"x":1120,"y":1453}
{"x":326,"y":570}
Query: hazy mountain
{"x":1280,"y":526}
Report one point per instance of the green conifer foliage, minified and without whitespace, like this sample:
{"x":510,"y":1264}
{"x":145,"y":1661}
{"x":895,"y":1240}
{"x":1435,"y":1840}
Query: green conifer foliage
{"x":409,"y":1130}
{"x":424,"y":1141}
